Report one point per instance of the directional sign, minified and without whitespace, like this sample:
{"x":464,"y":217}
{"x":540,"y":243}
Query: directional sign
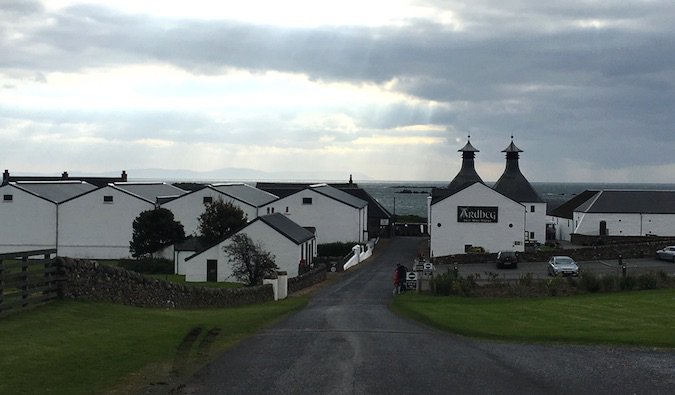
{"x":428,"y":268}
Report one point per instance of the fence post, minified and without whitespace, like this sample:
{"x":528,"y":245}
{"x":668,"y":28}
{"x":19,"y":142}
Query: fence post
{"x":2,"y":285}
{"x":24,"y":284}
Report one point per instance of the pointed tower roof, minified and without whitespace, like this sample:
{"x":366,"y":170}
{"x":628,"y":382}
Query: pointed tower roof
{"x":513,"y":183}
{"x":467,"y":174}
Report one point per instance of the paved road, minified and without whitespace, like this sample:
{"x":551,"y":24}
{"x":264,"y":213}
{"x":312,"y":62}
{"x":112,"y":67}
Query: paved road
{"x":347,"y":341}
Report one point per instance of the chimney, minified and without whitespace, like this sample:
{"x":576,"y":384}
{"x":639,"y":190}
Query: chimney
{"x":64,"y":175}
{"x":124,"y":176}
{"x":5,"y":177}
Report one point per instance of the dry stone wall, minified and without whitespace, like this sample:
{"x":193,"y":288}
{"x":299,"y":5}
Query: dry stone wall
{"x":88,"y":280}
{"x":308,"y":279}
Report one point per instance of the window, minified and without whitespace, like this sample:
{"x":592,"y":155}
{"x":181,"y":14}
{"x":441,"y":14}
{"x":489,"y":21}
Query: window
{"x":306,"y":200}
{"x":107,"y":199}
{"x":531,"y":209}
{"x":7,"y":198}
{"x":531,"y":235}
{"x":268,"y":210}
{"x":207,"y":199}
{"x":286,"y":208}
{"x":272,"y":210}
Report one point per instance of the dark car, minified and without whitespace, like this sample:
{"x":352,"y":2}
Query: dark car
{"x":507,"y":259}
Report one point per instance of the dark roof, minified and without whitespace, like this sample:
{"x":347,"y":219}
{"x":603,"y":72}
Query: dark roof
{"x":375,"y":209}
{"x":246,"y":193}
{"x":630,"y":201}
{"x":339,"y":195}
{"x":288,"y":228}
{"x":567,"y":209}
{"x":331,"y":190}
{"x":467,"y":174}
{"x":55,"y":191}
{"x":96,"y":181}
{"x":513,"y":183}
{"x":150,"y":190}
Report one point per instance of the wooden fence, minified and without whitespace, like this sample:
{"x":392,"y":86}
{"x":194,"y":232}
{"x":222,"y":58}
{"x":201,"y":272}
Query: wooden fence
{"x":27,"y":279}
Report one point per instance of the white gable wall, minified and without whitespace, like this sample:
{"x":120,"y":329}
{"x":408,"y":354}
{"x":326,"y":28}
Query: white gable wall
{"x":625,"y":224}
{"x":287,"y":254}
{"x":452,"y":236}
{"x":535,"y":221}
{"x":94,"y":229}
{"x":28,"y":222}
{"x":334,"y":221}
{"x":564,"y":227}
{"x":187,"y":208}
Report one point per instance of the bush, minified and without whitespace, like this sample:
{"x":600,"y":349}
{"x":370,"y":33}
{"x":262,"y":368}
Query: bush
{"x":148,"y":265}
{"x":627,"y":283}
{"x":609,"y":283}
{"x":589,"y":282}
{"x":442,"y":284}
{"x":335,"y":249}
{"x":647,"y":281}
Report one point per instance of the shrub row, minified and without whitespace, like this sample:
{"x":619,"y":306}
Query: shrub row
{"x":448,"y":284}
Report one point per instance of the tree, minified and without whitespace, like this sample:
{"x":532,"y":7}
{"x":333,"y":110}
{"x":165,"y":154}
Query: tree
{"x":154,"y":230}
{"x":250,"y":262}
{"x":218,"y":219}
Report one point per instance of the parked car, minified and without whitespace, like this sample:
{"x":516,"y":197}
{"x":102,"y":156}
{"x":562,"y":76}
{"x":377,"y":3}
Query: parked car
{"x":667,"y":253}
{"x":562,"y":265}
{"x":476,"y":250}
{"x":507,"y":259}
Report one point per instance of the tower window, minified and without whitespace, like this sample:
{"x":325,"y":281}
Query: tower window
{"x":307,"y":200}
{"x":107,"y":199}
{"x":7,"y":198}
{"x":207,"y":199}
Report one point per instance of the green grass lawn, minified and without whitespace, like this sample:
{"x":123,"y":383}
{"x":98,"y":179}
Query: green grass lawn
{"x":87,"y":348}
{"x":642,"y":318}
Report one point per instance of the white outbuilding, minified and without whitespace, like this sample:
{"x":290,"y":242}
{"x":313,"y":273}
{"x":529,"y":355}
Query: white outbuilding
{"x":621,"y":213}
{"x":29,"y":212}
{"x":99,"y":223}
{"x":336,"y":215}
{"x":188,"y":207}
{"x":291,"y":245}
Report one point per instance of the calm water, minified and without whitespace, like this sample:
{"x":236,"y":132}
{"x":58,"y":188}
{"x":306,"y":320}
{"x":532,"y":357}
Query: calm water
{"x":553,"y":193}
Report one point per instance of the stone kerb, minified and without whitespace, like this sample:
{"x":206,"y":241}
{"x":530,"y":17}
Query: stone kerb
{"x":88,"y":280}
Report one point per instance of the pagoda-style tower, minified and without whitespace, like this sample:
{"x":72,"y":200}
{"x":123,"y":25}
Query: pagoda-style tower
{"x":467,"y":174}
{"x":515,"y":186}
{"x":513,"y":183}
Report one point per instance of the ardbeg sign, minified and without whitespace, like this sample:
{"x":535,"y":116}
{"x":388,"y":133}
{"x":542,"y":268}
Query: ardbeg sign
{"x":477,"y":214}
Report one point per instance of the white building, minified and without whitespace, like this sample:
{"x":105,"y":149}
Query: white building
{"x":188,"y":207}
{"x":624,"y":213}
{"x":99,"y":224}
{"x":475,"y":216}
{"x":287,"y":241}
{"x":29,"y":212}
{"x":336,"y":215}
{"x":469,"y":213}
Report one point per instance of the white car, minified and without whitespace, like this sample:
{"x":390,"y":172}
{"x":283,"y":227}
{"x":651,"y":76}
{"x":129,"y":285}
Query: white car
{"x":667,"y":253}
{"x":562,"y":265}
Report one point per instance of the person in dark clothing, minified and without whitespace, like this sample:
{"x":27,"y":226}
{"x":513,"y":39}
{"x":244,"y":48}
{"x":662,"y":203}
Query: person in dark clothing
{"x":402,"y":271}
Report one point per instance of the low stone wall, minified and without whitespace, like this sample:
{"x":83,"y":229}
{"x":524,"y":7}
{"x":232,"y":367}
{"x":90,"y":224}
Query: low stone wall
{"x":314,"y":276}
{"x":604,"y":252}
{"x":88,"y":280}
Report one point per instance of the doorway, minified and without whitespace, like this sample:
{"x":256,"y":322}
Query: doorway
{"x":211,"y":270}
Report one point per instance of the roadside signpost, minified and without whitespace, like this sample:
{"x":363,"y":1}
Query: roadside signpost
{"x":411,"y":281}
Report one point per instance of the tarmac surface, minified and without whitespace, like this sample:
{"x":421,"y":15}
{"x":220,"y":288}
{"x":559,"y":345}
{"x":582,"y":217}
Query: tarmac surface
{"x":347,"y":341}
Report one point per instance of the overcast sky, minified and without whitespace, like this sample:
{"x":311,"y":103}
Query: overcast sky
{"x":382,"y":89}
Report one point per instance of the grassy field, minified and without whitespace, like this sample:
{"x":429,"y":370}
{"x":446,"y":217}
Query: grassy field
{"x":90,"y":348}
{"x":642,"y":318}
